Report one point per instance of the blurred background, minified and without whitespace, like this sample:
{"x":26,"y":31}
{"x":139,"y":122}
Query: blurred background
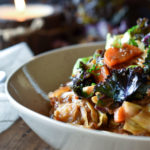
{"x":73,"y":21}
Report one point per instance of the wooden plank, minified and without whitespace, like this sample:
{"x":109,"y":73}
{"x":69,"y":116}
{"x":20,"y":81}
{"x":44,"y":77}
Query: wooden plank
{"x":21,"y":137}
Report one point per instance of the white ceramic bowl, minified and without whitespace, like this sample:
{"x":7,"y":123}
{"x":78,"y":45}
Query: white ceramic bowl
{"x":27,"y":90}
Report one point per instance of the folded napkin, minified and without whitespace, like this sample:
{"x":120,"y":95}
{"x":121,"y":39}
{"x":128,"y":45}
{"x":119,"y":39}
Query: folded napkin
{"x":11,"y":59}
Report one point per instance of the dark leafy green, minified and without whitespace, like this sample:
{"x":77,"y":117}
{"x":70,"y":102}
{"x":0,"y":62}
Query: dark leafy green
{"x":147,"y":59}
{"x":147,"y":63}
{"x":146,"y":40}
{"x":141,"y":29}
{"x":124,"y":84}
{"x":86,"y":75}
{"x":82,"y":80}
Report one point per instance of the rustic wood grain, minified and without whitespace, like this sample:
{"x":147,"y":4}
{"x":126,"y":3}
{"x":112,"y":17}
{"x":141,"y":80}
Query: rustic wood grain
{"x":21,"y":137}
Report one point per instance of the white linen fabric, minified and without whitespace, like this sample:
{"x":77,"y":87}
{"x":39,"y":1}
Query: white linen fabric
{"x":11,"y":59}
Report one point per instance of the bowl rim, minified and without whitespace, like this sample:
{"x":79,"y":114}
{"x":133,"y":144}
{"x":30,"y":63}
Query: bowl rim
{"x":28,"y":111}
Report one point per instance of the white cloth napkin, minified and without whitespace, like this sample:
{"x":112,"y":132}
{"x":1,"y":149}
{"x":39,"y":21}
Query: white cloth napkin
{"x":11,"y":59}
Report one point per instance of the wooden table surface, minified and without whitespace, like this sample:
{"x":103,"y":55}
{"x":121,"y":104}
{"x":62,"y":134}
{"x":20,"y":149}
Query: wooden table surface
{"x":20,"y":137}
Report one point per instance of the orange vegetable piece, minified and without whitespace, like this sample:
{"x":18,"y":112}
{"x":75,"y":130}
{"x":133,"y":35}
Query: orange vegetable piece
{"x":103,"y":73}
{"x":119,"y":115}
{"x":114,"y":56}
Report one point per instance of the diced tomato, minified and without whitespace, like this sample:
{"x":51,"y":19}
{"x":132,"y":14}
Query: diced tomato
{"x":114,"y":56}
